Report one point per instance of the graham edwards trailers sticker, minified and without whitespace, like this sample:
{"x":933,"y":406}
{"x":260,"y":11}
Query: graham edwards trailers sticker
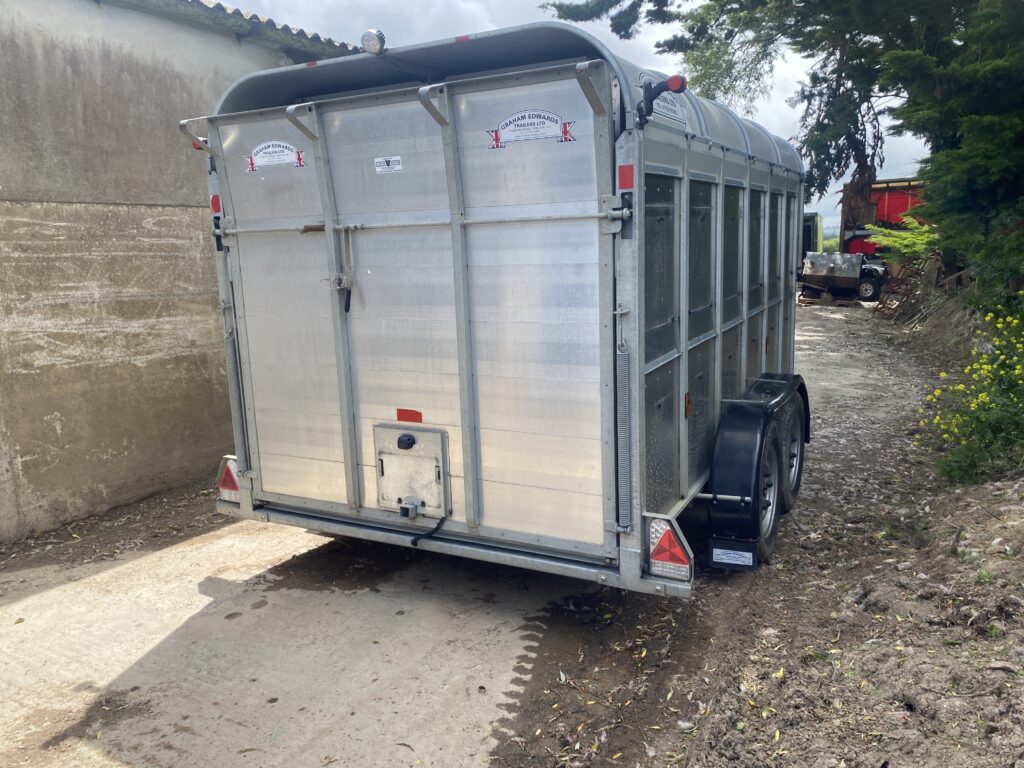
{"x":732,"y":557}
{"x":274,"y":153}
{"x":531,"y":124}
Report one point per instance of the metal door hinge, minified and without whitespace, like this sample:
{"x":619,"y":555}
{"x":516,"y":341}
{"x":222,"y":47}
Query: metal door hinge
{"x":615,"y":212}
{"x":341,"y":282}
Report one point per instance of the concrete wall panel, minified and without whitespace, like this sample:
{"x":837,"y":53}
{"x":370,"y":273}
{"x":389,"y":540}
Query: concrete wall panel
{"x":93,"y":94}
{"x":112,"y":380}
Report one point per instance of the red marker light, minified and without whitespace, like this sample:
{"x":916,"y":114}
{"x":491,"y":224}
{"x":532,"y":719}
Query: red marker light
{"x":227,"y":479}
{"x":461,"y":38}
{"x":215,"y":203}
{"x":669,"y":550}
{"x":667,"y":555}
{"x":676,"y":83}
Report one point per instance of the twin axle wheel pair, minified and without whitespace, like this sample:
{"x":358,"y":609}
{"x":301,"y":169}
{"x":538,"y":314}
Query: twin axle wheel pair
{"x":756,"y":469}
{"x":782,"y":467}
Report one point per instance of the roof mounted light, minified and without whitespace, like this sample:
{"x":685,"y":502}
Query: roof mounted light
{"x":372,"y":42}
{"x":653,"y":90}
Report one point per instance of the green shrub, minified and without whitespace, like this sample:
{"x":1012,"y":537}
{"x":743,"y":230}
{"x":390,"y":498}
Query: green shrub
{"x":914,"y":241}
{"x":976,"y":419}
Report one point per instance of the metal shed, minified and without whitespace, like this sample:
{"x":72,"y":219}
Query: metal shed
{"x":480,"y":299}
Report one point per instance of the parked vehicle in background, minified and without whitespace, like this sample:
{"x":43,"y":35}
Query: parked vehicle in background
{"x":889,"y":199}
{"x":540,"y":316}
{"x":812,"y":234}
{"x":843,"y":274}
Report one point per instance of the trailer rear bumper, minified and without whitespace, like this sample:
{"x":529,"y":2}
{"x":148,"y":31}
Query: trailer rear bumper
{"x":605,"y":575}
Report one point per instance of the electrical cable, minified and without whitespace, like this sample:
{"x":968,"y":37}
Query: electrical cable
{"x":417,"y":539}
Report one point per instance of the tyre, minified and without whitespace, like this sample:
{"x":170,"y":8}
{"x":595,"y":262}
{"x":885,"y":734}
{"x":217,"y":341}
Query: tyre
{"x":791,"y":451}
{"x":869,"y":289}
{"x":769,"y":496}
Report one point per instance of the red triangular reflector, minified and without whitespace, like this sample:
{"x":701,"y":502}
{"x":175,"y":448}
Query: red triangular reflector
{"x":227,"y":480}
{"x":669,"y":550}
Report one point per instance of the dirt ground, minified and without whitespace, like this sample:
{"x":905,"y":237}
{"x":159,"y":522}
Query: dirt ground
{"x":888,"y":630}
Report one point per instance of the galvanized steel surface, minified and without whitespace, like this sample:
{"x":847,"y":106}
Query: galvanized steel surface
{"x":467,"y":217}
{"x":532,"y":291}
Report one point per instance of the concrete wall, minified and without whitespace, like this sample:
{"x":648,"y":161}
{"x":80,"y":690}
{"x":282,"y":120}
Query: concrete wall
{"x":111,"y":359}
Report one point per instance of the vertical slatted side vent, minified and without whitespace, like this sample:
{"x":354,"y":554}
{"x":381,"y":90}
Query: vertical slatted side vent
{"x":625,"y":510}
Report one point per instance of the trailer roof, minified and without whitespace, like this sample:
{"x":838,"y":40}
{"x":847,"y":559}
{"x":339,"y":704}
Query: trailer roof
{"x":495,"y":50}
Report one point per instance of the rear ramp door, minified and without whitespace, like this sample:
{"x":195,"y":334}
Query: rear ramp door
{"x":472,"y":245}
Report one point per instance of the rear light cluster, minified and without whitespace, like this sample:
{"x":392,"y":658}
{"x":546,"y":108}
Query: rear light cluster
{"x":668,"y":556}
{"x":227,"y":480}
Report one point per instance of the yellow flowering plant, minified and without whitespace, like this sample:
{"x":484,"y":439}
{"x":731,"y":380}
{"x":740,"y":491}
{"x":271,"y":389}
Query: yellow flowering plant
{"x":976,"y":418}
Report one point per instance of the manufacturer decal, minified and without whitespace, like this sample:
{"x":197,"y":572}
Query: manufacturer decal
{"x":666,"y":105}
{"x":274,"y":153}
{"x":531,"y":124}
{"x":732,"y":557}
{"x":388,"y":164}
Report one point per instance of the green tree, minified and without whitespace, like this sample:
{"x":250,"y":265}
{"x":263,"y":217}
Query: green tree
{"x":730,"y":47}
{"x":830,"y":245}
{"x":969,"y":106}
{"x":950,"y":72}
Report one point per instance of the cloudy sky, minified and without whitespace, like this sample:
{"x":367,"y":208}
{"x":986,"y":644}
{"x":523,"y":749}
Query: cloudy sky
{"x":415,"y":21}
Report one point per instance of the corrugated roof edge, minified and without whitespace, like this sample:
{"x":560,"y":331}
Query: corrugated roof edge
{"x":297,"y":44}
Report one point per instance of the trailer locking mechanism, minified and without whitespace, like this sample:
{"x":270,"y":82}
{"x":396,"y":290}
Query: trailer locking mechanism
{"x":616,"y":210}
{"x":409,"y":507}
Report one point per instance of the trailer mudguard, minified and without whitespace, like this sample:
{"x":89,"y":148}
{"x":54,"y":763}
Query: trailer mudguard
{"x":744,"y":427}
{"x":790,"y":382}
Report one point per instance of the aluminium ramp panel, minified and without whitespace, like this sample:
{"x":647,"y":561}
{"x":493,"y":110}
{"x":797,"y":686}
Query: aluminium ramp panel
{"x":283,"y":308}
{"x":532,"y":243}
{"x":534,"y":288}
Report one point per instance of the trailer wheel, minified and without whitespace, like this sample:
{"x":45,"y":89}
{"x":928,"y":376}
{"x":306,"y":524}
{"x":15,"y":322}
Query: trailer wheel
{"x":869,"y":289}
{"x":791,"y":448}
{"x":769,"y":486}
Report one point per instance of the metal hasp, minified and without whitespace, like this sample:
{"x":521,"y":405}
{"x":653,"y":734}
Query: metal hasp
{"x":624,"y":489}
{"x":473,"y":489}
{"x":292,"y":114}
{"x":426,"y":96}
{"x":198,"y":142}
{"x":583,"y":70}
{"x":339,"y":257}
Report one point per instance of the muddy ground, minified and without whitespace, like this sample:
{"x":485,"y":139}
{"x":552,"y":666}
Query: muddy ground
{"x":887,"y":631}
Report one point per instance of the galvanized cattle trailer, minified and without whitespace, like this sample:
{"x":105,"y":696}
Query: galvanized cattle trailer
{"x":511,"y":297}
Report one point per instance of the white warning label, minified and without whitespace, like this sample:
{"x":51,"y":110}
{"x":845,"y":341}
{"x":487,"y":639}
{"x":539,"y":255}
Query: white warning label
{"x":388,"y":164}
